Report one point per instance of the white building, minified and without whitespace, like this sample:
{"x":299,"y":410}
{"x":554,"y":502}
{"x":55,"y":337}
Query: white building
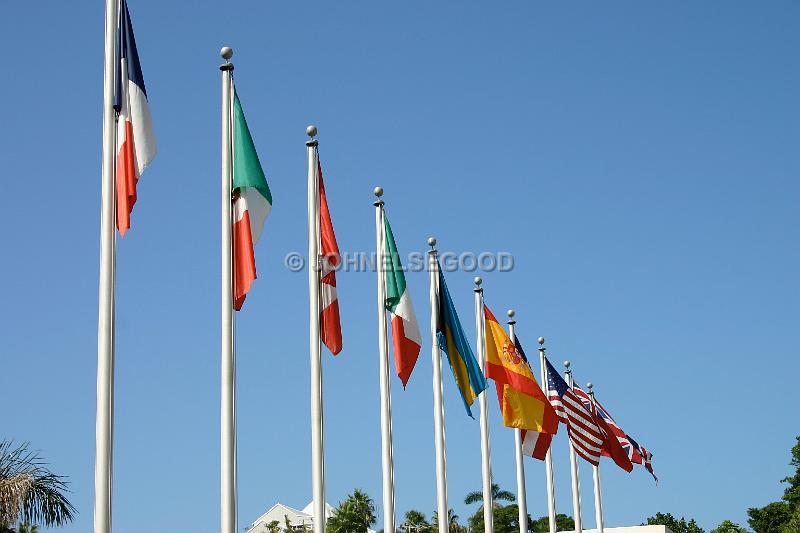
{"x":298,"y":520}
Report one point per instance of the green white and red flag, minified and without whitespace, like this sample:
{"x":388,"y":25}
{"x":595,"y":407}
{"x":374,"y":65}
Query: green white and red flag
{"x":406,"y":336}
{"x":252,"y":203}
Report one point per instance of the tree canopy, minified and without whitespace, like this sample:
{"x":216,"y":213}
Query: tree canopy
{"x":677,"y":526}
{"x":354,"y":515}
{"x":781,"y":516}
{"x":729,"y":527}
{"x":542,"y":524}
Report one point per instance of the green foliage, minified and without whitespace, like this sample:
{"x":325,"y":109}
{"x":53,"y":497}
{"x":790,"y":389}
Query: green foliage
{"x":497,"y":495}
{"x":782,"y":516}
{"x":771,"y":518}
{"x":452,"y":522}
{"x":792,"y":492}
{"x":415,"y":522}
{"x":793,"y":525}
{"x":542,"y":524}
{"x":729,"y":527}
{"x":274,"y":527}
{"x":506,"y":520}
{"x":677,"y":526}
{"x":29,"y":492}
{"x":354,"y":515}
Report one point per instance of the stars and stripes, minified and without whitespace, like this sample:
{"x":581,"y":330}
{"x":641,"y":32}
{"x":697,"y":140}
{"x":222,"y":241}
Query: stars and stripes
{"x":584,"y":433}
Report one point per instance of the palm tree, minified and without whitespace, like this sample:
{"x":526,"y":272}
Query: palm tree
{"x":452,"y":522}
{"x":354,"y":515}
{"x":27,"y":528}
{"x":497,"y":495}
{"x":274,"y":527}
{"x":29,"y":492}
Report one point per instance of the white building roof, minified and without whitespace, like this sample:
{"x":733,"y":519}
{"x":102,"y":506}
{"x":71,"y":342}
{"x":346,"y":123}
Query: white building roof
{"x":297,"y":519}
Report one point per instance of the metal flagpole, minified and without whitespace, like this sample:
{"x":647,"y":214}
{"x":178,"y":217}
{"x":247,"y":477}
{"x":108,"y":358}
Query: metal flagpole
{"x":486,"y":461}
{"x":548,"y":460}
{"x":228,"y":356}
{"x":105,"y":319}
{"x":317,"y":442}
{"x":598,"y":499}
{"x":387,"y":460}
{"x":573,"y":463}
{"x":522,"y":499}
{"x":438,"y":403}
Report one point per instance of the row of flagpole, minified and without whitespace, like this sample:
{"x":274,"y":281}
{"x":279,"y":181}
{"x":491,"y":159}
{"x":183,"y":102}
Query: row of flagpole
{"x":121,"y":156}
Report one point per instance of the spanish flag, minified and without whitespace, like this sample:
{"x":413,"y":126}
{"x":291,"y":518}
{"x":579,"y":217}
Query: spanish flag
{"x":522,"y":401}
{"x":453,"y":342}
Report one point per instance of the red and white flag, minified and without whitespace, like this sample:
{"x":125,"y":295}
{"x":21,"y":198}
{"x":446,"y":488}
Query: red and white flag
{"x":330,"y":324}
{"x":136,"y":144}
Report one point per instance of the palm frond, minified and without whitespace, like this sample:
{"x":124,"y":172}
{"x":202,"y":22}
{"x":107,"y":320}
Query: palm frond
{"x":504,"y":495}
{"x":473,"y":497}
{"x":44,"y":501}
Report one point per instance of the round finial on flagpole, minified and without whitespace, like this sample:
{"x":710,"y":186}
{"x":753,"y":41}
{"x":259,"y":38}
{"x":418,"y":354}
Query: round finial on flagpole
{"x":511,"y":313}
{"x":478,"y":281}
{"x":378,"y":191}
{"x":541,"y":341}
{"x":226,"y":52}
{"x":566,"y":364}
{"x":589,"y":386}
{"x":432,"y":242}
{"x":311,"y":131}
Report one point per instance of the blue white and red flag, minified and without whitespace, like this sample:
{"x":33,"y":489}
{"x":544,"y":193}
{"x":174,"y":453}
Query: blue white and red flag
{"x":136,"y":144}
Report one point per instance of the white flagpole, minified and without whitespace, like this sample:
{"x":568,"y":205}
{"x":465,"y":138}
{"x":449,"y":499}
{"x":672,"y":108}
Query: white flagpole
{"x":598,"y":499}
{"x":548,"y":460}
{"x":486,"y":461}
{"x":317,"y":441}
{"x":573,"y":463}
{"x":522,"y":500}
{"x":228,"y":356}
{"x":105,"y":320}
{"x":438,"y":403}
{"x":387,"y":459}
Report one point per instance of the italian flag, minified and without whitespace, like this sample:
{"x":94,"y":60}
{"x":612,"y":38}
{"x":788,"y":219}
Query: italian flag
{"x":406,"y":337}
{"x":252,"y":202}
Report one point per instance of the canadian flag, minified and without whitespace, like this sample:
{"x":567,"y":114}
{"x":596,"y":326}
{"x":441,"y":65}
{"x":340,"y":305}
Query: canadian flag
{"x":330,"y":324}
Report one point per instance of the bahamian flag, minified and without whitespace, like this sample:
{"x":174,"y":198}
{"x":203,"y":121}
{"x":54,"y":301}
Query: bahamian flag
{"x":453,"y":343}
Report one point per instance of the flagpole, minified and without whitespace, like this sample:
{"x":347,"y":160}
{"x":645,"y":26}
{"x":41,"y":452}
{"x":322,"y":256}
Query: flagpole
{"x":317,"y":441}
{"x":438,"y":403}
{"x":522,"y":499}
{"x":548,"y":459}
{"x":598,"y":499}
{"x":573,"y":463}
{"x":228,"y":355}
{"x":387,"y":460}
{"x":103,"y":473}
{"x":486,"y":461}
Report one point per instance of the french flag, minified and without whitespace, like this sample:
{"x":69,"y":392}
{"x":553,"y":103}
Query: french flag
{"x":136,"y":144}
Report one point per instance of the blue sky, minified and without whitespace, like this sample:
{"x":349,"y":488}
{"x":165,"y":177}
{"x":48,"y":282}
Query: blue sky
{"x":638,"y":158}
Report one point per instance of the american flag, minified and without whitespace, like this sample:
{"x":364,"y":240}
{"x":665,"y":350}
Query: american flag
{"x":585,"y":435}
